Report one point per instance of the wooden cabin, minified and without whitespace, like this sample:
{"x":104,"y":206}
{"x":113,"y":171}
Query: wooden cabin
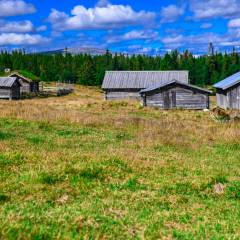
{"x":9,"y":88}
{"x":27,"y":85}
{"x":176,"y":94}
{"x":228,"y":92}
{"x":128,"y":84}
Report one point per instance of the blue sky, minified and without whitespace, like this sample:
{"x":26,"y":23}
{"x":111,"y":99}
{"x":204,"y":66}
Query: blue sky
{"x":146,"y":26}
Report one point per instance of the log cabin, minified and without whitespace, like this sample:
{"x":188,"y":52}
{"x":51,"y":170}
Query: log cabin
{"x":177,"y":95}
{"x":27,"y":84}
{"x":228,"y":92}
{"x":128,"y":84}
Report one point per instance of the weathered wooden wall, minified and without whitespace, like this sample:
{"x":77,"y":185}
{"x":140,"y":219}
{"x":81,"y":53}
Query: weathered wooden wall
{"x":5,"y":93}
{"x":177,"y":97}
{"x":122,"y":94}
{"x":25,"y":86}
{"x":10,"y":93}
{"x":229,"y":98}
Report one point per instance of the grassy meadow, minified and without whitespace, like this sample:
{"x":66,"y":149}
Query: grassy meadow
{"x":77,"y":167}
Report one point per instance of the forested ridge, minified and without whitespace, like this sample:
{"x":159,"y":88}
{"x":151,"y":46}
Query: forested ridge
{"x":89,"y":70}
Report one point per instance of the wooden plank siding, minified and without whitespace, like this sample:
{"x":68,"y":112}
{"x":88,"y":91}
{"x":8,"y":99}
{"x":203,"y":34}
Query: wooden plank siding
{"x":229,"y":98}
{"x":120,"y":94}
{"x":176,"y":97}
{"x":228,"y":92}
{"x":25,"y":86}
{"x":9,"y":88}
{"x":5,"y":93}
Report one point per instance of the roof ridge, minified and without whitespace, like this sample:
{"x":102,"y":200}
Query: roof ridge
{"x":147,"y":71}
{"x":152,"y":88}
{"x":228,"y":81}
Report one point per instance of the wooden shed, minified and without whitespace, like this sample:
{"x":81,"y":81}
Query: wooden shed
{"x":128,"y":84}
{"x":9,"y":88}
{"x":176,"y":94}
{"x":27,"y":85}
{"x":228,"y":92}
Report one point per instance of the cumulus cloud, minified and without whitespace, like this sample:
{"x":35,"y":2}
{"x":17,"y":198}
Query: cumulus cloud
{"x":15,"y":7}
{"x":171,"y":13}
{"x":235,"y":23}
{"x":105,"y":17}
{"x":16,"y":27}
{"x":21,"y":39}
{"x":206,"y":9}
{"x":134,"y":35}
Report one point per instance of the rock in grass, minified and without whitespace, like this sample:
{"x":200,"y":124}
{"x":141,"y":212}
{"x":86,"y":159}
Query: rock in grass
{"x":219,"y":188}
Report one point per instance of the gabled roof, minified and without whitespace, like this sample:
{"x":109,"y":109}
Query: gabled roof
{"x":20,"y":76}
{"x":153,"y":88}
{"x":7,"y":81}
{"x":141,"y":79}
{"x":228,"y":82}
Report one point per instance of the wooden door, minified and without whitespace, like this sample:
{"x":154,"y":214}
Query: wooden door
{"x":173,"y":99}
{"x":166,"y":100}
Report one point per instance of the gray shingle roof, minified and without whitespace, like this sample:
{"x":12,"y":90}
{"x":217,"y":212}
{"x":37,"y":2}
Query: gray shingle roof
{"x":176,"y":82}
{"x":141,"y":79}
{"x":7,"y":81}
{"x":228,"y":82}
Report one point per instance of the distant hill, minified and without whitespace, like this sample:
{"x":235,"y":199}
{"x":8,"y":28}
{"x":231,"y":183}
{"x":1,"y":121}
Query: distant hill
{"x":75,"y":51}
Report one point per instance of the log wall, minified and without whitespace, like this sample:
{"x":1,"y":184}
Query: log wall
{"x":177,"y":97}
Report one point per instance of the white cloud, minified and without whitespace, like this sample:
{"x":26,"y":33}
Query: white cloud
{"x":41,"y":28}
{"x":134,"y":35}
{"x":235,"y":23}
{"x":171,"y":13}
{"x":106,"y":17}
{"x":206,"y":9}
{"x":206,"y":25}
{"x":21,"y":39}
{"x":173,"y":40}
{"x":201,"y":41}
{"x":16,"y":27}
{"x":15,"y":7}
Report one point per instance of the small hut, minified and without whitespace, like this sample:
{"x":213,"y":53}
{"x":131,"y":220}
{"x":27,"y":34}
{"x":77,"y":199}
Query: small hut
{"x":128,"y":84}
{"x":228,"y":92}
{"x":9,"y":88}
{"x":27,"y":84}
{"x":176,"y":94}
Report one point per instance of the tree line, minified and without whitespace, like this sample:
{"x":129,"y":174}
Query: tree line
{"x":89,"y":70}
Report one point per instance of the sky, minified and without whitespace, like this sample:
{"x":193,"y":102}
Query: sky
{"x":129,"y":26}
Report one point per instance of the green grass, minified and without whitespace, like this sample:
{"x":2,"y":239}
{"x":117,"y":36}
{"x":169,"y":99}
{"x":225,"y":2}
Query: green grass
{"x":131,"y":179}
